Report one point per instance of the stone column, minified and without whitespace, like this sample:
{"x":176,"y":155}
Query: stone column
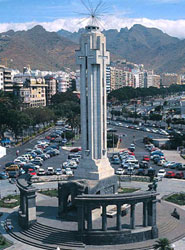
{"x":132,"y":216}
{"x":104,"y":218}
{"x":31,"y":207}
{"x":89,"y":218}
{"x":81,"y":220}
{"x":151,"y":207}
{"x":145,"y":223}
{"x":152,"y":218}
{"x":119,"y":217}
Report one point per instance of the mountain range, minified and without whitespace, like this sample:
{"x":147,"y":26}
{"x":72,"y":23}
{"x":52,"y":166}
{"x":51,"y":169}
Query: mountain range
{"x":56,"y":50}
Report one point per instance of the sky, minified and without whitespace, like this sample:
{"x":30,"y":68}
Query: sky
{"x":53,"y":15}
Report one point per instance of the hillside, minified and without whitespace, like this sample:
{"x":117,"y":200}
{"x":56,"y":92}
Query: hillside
{"x":148,"y":46}
{"x":40,"y":49}
{"x":55,"y":50}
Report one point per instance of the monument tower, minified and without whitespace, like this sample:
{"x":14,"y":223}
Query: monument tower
{"x":93,"y":58}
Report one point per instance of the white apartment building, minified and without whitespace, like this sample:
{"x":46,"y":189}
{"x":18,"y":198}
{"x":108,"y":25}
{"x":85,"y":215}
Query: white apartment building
{"x":1,"y":79}
{"x":63,"y":82}
{"x":153,"y":80}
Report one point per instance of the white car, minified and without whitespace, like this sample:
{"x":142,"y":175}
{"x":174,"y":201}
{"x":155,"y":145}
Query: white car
{"x":41,"y":171}
{"x":68,"y":171}
{"x":161,"y":173}
{"x":161,"y":162}
{"x":120,"y":171}
{"x":50,"y":171}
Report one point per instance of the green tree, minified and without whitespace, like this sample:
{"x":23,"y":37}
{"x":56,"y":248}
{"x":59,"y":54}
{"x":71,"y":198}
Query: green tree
{"x":162,"y":244}
{"x":17,"y":121}
{"x":63,"y":97}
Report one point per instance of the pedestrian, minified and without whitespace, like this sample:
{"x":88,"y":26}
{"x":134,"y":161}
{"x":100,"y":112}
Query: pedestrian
{"x":17,"y":153}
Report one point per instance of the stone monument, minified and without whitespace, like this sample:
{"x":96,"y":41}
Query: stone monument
{"x":93,"y":58}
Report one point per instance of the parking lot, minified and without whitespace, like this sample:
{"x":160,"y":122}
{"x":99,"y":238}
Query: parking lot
{"x":132,"y":135}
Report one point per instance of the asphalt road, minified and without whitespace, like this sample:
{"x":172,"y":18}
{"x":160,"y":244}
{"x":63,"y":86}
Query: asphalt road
{"x":55,"y":161}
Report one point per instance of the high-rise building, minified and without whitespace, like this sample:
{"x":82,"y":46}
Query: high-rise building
{"x":37,"y":88}
{"x":153,"y":80}
{"x":1,"y":79}
{"x":7,"y":81}
{"x":51,"y":88}
{"x":92,"y":59}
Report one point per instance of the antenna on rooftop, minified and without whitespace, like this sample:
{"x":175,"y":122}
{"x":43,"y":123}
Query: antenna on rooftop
{"x":94,"y":12}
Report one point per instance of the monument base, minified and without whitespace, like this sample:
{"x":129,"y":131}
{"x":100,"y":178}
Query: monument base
{"x":94,"y":169}
{"x":69,"y":190}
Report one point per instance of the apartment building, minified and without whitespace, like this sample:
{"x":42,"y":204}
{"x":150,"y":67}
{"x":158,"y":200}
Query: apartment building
{"x":51,"y":88}
{"x":153,"y":80}
{"x":170,"y":78}
{"x":120,"y":78}
{"x":6,"y":79}
{"x":1,"y":79}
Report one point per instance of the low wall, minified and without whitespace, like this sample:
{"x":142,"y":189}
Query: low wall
{"x":50,"y":178}
{"x":128,"y":178}
{"x":113,"y":238}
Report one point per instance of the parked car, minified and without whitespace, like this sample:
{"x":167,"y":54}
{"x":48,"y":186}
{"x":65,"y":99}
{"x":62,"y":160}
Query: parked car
{"x":50,"y":171}
{"x":144,"y":164}
{"x":74,"y":150}
{"x":58,"y":171}
{"x":181,"y":166}
{"x":173,"y":165}
{"x":161,"y":173}
{"x":13,"y":173}
{"x":146,"y":158}
{"x":140,"y":172}
{"x":161,"y":162}
{"x":36,"y":162}
{"x":179,"y":175}
{"x":120,"y":171}
{"x":68,"y":171}
{"x":32,"y":172}
{"x":3,"y":176}
{"x":116,"y":161}
{"x":130,"y":171}
{"x":170,"y":174}
{"x":132,"y":147}
{"x":41,"y":171}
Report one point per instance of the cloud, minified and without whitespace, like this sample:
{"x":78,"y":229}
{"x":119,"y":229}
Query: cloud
{"x":172,"y":27}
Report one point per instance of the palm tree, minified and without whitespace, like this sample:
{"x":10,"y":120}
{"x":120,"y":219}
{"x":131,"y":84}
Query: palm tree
{"x":162,"y":244}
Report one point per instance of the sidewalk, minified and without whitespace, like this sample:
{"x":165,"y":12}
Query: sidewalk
{"x":173,"y":155}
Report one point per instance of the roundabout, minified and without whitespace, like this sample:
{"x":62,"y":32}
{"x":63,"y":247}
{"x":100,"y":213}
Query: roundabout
{"x":51,"y":231}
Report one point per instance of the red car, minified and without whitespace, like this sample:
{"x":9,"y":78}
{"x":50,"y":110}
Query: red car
{"x":146,"y":158}
{"x":74,"y":150}
{"x":179,"y":175}
{"x":170,"y":174}
{"x":31,"y":172}
{"x":131,"y":153}
{"x":48,"y":137}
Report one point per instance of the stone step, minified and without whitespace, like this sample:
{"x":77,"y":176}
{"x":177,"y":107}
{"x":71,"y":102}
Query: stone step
{"x":48,"y":232}
{"x":46,"y":241}
{"x":52,"y":239}
{"x":170,"y":226}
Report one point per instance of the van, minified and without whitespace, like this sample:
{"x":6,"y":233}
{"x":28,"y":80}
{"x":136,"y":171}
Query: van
{"x":132,"y":162}
{"x":12,"y":168}
{"x":50,"y":171}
